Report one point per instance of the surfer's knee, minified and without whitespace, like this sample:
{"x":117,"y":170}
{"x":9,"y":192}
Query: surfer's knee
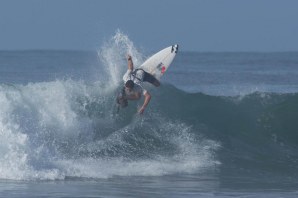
{"x":156,"y":83}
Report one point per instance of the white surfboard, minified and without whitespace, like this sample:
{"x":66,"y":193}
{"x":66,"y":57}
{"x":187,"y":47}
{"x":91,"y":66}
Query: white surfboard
{"x":159,"y":63}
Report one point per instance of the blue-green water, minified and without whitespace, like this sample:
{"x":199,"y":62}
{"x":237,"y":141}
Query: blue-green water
{"x":221,"y":125}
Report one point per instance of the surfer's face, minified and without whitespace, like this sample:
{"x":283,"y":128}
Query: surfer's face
{"x":129,"y":89}
{"x":129,"y":85}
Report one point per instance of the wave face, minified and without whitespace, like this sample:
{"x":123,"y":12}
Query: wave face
{"x":256,"y":132}
{"x":65,"y":129}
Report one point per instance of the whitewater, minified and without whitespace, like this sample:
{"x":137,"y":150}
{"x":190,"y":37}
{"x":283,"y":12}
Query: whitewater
{"x":221,"y":125}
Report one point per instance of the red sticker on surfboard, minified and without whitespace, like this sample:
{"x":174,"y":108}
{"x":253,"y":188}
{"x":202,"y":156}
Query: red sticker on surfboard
{"x":163,"y":69}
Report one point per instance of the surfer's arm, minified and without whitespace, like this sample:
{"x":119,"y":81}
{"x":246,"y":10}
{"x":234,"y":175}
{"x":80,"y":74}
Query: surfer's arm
{"x":146,"y":102}
{"x":129,"y":62}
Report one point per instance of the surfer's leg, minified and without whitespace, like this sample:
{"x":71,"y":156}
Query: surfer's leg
{"x":151,"y":79}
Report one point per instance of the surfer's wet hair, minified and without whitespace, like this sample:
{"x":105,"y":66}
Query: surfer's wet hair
{"x":129,"y":84}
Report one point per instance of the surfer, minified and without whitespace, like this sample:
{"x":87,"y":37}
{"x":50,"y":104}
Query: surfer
{"x":132,"y":89}
{"x":138,"y":75}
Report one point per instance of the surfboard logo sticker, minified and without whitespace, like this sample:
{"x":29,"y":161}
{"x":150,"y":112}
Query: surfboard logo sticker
{"x":161,"y":68}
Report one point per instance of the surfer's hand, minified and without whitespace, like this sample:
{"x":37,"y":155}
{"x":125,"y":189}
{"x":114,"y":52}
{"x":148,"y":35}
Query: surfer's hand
{"x":141,"y":110}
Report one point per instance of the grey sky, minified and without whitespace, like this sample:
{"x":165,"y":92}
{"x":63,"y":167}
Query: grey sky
{"x":197,"y":25}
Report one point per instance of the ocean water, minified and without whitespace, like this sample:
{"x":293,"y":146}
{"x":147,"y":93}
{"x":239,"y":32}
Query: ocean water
{"x":221,"y":125}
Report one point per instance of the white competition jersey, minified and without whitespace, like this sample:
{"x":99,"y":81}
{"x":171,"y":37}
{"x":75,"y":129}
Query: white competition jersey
{"x":137,"y":79}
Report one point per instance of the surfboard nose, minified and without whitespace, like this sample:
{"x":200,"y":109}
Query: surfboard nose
{"x":175,"y":48}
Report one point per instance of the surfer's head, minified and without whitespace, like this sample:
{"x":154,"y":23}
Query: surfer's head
{"x":129,"y":84}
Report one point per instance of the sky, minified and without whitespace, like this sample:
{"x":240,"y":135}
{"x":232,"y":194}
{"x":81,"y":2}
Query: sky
{"x":196,"y":25}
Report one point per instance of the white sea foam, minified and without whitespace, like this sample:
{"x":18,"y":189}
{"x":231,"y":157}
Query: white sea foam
{"x":52,"y":130}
